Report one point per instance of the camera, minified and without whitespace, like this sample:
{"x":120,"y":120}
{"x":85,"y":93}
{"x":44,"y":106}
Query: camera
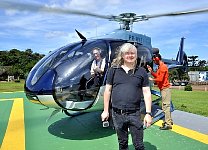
{"x":105,"y":124}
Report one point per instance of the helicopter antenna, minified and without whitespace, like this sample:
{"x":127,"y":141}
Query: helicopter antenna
{"x":81,"y":36}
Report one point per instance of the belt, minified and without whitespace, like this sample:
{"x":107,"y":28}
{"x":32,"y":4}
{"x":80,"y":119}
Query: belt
{"x":124,"y":111}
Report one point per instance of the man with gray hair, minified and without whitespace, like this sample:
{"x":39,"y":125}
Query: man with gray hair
{"x":97,"y":66}
{"x":125,"y":85}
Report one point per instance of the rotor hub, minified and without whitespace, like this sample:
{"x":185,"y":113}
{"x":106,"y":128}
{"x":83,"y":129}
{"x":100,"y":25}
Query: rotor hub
{"x":126,"y":19}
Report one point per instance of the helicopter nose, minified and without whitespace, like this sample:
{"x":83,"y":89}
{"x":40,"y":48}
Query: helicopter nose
{"x":60,"y":89}
{"x":41,"y":90}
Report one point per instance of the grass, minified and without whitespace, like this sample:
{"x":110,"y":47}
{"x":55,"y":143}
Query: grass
{"x":195,"y":102}
{"x":12,"y":86}
{"x":189,"y":101}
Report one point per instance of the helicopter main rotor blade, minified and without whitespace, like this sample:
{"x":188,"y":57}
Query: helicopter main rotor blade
{"x":124,"y":18}
{"x":188,"y":12}
{"x":7,"y":5}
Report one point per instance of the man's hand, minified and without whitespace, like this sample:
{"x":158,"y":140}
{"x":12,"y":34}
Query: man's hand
{"x":104,"y":116}
{"x":147,"y":120}
{"x":97,"y":69}
{"x":151,"y":79}
{"x":149,"y":68}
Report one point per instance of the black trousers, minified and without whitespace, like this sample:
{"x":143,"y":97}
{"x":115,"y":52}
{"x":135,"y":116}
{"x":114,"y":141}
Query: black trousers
{"x":123,"y":122}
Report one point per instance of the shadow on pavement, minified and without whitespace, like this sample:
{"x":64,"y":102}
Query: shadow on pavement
{"x":148,"y":146}
{"x":87,"y":126}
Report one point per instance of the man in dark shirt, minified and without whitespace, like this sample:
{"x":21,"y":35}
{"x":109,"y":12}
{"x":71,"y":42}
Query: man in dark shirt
{"x":125,"y":85}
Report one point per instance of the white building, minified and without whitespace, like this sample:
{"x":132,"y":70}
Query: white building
{"x":193,"y":76}
{"x":203,"y":76}
{"x":198,"y":76}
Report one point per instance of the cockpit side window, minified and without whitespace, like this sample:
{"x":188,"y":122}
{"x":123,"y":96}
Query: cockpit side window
{"x":114,"y":48}
{"x":144,"y":55}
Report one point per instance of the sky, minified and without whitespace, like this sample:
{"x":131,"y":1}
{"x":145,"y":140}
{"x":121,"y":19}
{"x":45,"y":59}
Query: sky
{"x":45,"y":32}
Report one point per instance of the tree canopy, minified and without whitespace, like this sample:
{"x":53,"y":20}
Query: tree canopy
{"x":17,"y":63}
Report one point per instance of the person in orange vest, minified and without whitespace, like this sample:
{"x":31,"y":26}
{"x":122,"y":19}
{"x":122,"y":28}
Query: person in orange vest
{"x":160,"y":77}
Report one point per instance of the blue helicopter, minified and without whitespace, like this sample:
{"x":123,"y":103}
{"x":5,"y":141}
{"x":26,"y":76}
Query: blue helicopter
{"x":62,"y":79}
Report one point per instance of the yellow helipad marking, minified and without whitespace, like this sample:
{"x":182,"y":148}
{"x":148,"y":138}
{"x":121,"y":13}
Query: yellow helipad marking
{"x":12,"y":92}
{"x":11,"y":99}
{"x":14,"y":138}
{"x":6,"y":99}
{"x":187,"y":132}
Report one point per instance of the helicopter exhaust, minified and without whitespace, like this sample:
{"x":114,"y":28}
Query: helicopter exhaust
{"x":155,"y":50}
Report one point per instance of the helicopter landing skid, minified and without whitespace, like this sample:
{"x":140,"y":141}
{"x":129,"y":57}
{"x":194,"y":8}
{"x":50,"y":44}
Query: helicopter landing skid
{"x":72,"y":113}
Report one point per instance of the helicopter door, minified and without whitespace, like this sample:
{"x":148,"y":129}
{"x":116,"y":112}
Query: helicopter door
{"x":72,"y":91}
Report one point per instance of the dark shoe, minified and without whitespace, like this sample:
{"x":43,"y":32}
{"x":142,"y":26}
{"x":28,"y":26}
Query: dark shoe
{"x":164,"y":123}
{"x":165,"y":127}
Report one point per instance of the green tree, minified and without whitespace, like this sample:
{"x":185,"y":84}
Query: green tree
{"x":18,"y":63}
{"x":193,"y":60}
{"x":202,"y":63}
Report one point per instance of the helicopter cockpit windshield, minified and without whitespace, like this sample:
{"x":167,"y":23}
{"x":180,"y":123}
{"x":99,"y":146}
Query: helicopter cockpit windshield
{"x":64,"y":76}
{"x":74,"y":86}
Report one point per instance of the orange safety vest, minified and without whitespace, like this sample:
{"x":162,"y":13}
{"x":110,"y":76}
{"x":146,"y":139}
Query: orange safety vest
{"x":161,"y":76}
